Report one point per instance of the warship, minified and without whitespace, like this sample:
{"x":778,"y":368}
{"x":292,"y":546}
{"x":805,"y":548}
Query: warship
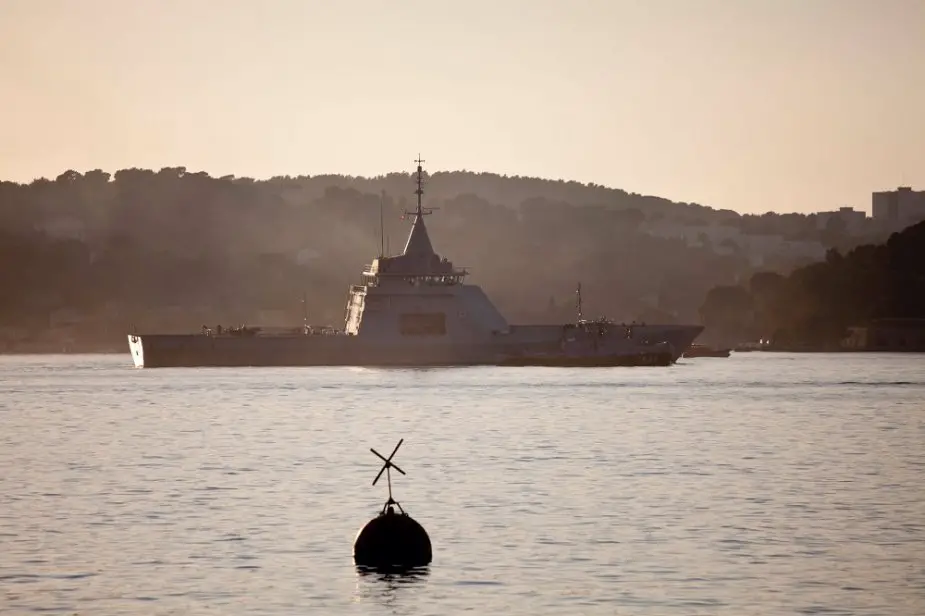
{"x":411,"y":309}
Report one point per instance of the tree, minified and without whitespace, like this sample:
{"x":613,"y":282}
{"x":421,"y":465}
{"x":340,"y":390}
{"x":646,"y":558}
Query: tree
{"x":727,"y":312}
{"x":814,"y":305}
{"x":766,"y":289}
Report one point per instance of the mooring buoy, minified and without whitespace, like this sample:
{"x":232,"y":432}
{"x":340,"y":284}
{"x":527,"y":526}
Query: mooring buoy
{"x":391,"y":540}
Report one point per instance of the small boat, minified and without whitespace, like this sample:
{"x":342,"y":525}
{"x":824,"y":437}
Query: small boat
{"x":702,"y":350}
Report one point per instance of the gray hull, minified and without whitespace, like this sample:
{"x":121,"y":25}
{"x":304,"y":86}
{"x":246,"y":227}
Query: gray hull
{"x":680,"y":337}
{"x":196,"y":350}
{"x":160,"y":351}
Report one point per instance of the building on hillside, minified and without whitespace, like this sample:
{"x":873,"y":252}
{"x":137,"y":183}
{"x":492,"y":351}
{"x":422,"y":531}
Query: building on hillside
{"x":889,"y":335}
{"x":898,"y":209}
{"x":852,"y":220}
{"x":727,"y":240}
{"x":763,"y":249}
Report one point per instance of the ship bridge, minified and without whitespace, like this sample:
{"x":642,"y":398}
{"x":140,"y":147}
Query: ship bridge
{"x":418,"y":263}
{"x":419,"y":293}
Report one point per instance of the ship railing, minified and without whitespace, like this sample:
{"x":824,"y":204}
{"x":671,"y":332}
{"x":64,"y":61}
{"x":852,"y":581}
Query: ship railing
{"x":322,"y":330}
{"x":455,"y":272}
{"x":431,"y":280}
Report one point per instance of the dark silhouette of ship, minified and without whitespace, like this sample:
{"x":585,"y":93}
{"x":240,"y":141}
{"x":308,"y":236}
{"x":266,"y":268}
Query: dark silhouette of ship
{"x":412,"y":309}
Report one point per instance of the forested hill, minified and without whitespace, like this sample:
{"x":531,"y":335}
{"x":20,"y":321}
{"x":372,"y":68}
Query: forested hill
{"x":813,"y":306}
{"x":87,"y":256}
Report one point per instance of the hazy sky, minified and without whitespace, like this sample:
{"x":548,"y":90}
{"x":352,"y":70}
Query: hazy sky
{"x":752,"y":105}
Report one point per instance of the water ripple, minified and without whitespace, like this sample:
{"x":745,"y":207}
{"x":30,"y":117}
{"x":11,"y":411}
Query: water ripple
{"x":762,"y":484}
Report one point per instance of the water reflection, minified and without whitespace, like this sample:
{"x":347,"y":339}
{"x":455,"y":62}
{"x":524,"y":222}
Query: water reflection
{"x":681,"y":510}
{"x":386,"y":587}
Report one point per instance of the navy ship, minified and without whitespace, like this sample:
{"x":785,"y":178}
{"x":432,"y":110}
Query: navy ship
{"x":412,"y":309}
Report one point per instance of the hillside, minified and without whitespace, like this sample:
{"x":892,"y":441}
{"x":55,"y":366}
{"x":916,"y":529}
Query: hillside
{"x":813,"y":306}
{"x":89,"y":256}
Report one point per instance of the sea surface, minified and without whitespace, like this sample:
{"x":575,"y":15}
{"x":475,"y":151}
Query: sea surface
{"x":764,"y":483}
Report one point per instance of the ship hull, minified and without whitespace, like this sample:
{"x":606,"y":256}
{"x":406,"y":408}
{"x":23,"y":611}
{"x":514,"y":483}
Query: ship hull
{"x":590,"y":361}
{"x":160,"y":351}
{"x":678,"y":337}
{"x":196,"y":350}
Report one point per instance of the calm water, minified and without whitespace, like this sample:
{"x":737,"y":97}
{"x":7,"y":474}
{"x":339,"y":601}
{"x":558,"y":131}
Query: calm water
{"x":759,"y":484}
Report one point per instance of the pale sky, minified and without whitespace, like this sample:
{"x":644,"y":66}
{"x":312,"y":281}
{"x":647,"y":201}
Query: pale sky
{"x":751,"y":105}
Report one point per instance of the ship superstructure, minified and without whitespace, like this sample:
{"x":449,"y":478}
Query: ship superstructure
{"x":419,"y":297}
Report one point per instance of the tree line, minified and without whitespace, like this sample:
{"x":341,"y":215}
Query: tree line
{"x":812,"y":307}
{"x":94,"y":255}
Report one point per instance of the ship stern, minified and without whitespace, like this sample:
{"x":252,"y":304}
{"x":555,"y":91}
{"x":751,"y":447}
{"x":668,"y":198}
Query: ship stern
{"x":136,"y":348}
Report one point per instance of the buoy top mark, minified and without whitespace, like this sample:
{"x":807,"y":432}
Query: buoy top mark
{"x":388,"y":462}
{"x":386,"y":468}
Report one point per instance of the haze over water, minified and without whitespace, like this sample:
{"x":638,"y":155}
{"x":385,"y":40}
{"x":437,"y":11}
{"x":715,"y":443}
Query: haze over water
{"x":759,"y":484}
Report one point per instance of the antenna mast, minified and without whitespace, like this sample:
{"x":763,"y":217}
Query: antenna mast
{"x":420,"y":181}
{"x":578,"y":301}
{"x":381,"y":226}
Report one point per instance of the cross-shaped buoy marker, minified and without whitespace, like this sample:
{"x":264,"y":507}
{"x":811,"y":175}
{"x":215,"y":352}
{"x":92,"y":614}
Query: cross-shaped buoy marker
{"x":387,"y":465}
{"x":388,"y":461}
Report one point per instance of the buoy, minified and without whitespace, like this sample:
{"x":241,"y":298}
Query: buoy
{"x":392,"y":540}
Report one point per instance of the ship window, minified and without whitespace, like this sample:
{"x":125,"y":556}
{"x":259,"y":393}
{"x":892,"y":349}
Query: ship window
{"x":423,"y":324}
